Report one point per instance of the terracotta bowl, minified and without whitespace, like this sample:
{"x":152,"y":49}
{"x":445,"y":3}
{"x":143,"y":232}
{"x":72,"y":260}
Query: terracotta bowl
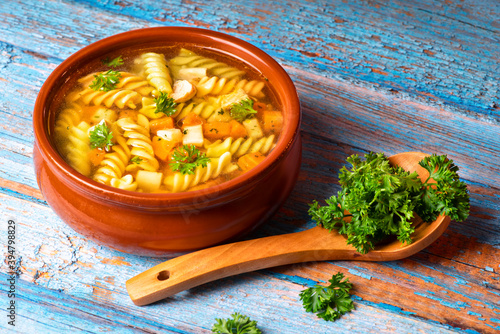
{"x":159,"y":224}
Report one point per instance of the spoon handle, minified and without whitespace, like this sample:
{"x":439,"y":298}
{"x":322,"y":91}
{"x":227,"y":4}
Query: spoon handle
{"x":193,"y":269}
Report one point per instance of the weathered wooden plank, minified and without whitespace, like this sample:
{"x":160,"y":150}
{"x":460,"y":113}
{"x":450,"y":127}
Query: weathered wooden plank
{"x":32,"y":25}
{"x":61,"y":264}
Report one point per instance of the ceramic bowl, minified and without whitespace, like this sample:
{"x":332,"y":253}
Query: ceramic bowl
{"x":159,"y":224}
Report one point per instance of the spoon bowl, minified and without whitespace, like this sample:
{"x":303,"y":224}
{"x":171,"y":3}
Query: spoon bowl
{"x":316,"y":244}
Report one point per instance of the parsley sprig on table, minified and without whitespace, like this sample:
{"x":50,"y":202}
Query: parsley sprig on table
{"x":238,"y":324}
{"x":242,"y":110}
{"x":165,"y":104}
{"x":105,"y":81}
{"x":329,"y":302}
{"x":187,"y":158}
{"x":378,"y":200}
{"x":101,"y":137}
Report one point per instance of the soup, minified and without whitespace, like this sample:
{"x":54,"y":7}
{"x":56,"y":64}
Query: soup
{"x":167,"y":120}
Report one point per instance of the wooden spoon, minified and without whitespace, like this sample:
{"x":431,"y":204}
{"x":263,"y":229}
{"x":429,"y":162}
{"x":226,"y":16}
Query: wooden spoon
{"x":316,"y":244}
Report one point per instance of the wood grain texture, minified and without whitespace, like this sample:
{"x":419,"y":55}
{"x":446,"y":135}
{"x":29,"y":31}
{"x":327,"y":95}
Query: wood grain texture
{"x":372,"y":76}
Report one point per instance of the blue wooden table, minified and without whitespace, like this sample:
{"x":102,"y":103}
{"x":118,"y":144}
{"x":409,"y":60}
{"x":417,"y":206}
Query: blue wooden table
{"x":382,"y":76}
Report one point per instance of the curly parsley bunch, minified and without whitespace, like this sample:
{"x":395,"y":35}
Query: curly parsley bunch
{"x":378,"y":200}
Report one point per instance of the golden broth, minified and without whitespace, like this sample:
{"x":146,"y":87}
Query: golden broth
{"x":167,"y":120}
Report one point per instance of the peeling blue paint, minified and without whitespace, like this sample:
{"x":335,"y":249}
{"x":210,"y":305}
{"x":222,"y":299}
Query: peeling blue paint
{"x":360,"y":274}
{"x":455,"y":305}
{"x":293,"y":278}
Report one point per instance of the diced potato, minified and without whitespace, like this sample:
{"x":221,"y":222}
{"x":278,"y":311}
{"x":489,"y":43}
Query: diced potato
{"x":170,"y":134}
{"x":193,"y":135}
{"x":253,"y":128}
{"x":149,"y":181}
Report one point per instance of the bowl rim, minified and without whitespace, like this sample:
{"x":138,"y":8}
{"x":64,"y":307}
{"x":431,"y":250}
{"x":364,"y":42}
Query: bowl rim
{"x":285,"y":92}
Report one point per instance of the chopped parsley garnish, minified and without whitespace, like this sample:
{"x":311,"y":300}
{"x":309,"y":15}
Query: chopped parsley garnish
{"x":187,"y":158}
{"x":106,"y":81}
{"x":165,"y":104}
{"x":378,"y":201}
{"x":238,"y":324}
{"x":118,"y":61}
{"x":101,"y":137}
{"x":136,"y":160}
{"x":242,"y":110}
{"x":329,"y":302}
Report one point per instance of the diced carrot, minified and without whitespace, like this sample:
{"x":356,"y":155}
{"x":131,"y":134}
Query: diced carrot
{"x":237,"y":129}
{"x":161,"y":124}
{"x":216,"y":130}
{"x":87,"y":112}
{"x":272,"y":121}
{"x":192,"y":119}
{"x":259,"y":107}
{"x":250,"y":160}
{"x":163,"y":147}
{"x":96,"y":156}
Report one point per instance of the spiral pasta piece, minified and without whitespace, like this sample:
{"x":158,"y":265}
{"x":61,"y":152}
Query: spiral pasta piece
{"x":117,"y":97}
{"x":68,"y":118}
{"x":127,"y":182}
{"x":252,"y":87}
{"x":78,"y":147}
{"x":223,"y":86}
{"x":128,"y":81}
{"x":215,"y":86}
{"x":139,"y":141}
{"x":189,"y":59}
{"x":177,"y":182}
{"x":242,"y":146}
{"x":114,"y":163}
{"x":203,"y":108}
{"x":154,"y":66}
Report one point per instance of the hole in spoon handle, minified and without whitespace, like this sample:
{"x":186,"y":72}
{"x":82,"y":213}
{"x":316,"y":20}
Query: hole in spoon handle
{"x":163,"y":275}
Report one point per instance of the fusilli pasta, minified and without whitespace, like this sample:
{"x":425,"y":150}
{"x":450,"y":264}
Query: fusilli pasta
{"x":189,"y":59}
{"x":139,"y":141}
{"x":118,"y":97}
{"x":78,"y":147}
{"x":128,"y":81}
{"x":240,"y":146}
{"x":114,"y":163}
{"x":177,"y":182}
{"x":221,"y":86}
{"x":127,"y":182}
{"x":154,"y":67}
